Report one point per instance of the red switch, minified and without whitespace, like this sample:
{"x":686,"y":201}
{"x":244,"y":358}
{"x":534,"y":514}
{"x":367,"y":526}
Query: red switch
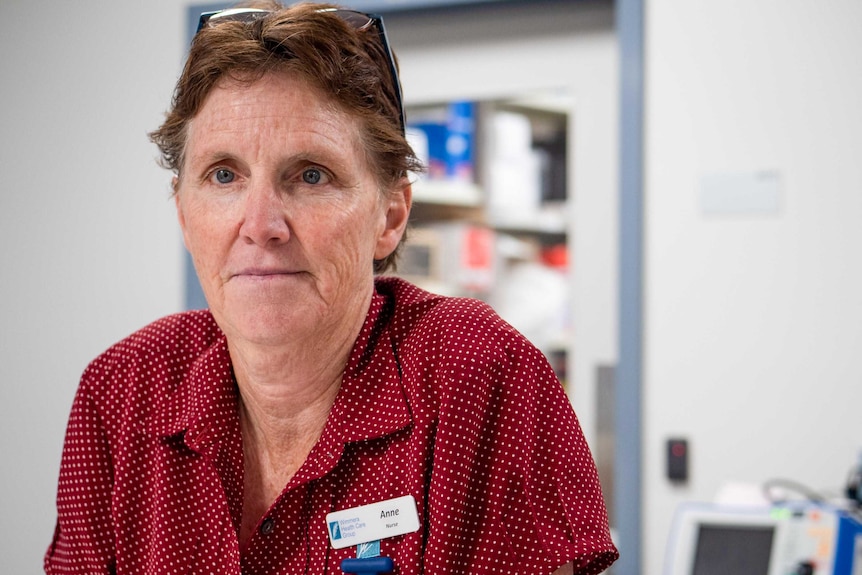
{"x":677,"y":460}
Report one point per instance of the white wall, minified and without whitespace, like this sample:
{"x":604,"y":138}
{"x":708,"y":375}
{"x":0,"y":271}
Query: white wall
{"x":89,"y":250}
{"x":753,"y":323}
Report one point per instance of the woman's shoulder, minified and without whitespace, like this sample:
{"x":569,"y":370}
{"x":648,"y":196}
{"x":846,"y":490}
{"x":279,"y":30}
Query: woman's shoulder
{"x":459,"y":352}
{"x":168,"y":345}
{"x":415,"y":308}
{"x":446,"y":327}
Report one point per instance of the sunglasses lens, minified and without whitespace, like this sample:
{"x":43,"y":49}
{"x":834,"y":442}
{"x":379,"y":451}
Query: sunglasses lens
{"x":231,"y":15}
{"x":357,"y":20}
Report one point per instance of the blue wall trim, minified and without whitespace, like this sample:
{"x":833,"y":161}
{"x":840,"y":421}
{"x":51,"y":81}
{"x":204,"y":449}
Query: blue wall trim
{"x":627,"y":463}
{"x":194,"y":295}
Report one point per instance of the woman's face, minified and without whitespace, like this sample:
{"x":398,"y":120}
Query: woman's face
{"x":281,"y":213}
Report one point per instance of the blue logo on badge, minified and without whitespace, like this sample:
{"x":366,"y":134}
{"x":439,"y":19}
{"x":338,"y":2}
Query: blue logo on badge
{"x":334,"y":530}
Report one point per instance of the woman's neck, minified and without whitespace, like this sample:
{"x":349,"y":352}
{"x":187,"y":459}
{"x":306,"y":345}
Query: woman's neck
{"x":288,"y":390}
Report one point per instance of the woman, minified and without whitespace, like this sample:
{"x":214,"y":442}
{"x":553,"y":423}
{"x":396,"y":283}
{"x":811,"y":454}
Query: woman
{"x":238,"y":439}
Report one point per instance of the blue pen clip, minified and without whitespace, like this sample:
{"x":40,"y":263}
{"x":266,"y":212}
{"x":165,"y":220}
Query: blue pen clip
{"x":367,"y":565}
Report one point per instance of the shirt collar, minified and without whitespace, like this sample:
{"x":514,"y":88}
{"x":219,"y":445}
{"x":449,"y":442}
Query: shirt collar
{"x":204,"y":402}
{"x":372,"y":401}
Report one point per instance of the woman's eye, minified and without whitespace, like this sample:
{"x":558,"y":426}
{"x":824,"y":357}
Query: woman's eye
{"x":312,"y":176}
{"x":224,"y":176}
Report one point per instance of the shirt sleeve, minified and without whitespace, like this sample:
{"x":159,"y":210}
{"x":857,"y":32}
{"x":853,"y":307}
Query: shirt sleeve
{"x":557,"y":514}
{"x":514,"y":485}
{"x":83,"y":540}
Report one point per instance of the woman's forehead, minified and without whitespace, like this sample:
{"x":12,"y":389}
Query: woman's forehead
{"x":274,"y":109}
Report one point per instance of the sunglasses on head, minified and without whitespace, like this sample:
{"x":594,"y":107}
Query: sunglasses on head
{"x":358,"y":20}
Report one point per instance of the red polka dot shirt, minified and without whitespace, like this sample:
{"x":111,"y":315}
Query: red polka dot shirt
{"x":440,"y":400}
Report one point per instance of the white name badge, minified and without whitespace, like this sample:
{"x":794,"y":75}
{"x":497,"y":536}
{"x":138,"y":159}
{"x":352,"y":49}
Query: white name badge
{"x":372,"y":522}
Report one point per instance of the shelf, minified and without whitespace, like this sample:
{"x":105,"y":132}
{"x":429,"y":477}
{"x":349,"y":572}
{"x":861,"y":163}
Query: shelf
{"x":550,"y":221}
{"x":496,"y":229}
{"x":447,"y":192}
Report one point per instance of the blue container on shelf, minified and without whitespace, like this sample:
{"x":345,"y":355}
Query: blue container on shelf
{"x":460,"y":141}
{"x":450,"y":143}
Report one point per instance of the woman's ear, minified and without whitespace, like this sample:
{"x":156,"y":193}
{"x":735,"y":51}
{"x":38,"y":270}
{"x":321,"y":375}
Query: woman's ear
{"x":180,"y":215}
{"x":397,"y":205}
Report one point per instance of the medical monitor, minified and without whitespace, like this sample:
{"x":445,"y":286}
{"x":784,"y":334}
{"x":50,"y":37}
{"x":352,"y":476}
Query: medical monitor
{"x":739,"y":549}
{"x":776,"y":540}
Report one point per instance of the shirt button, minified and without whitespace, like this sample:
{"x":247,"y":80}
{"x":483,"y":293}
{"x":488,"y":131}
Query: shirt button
{"x":267,"y":526}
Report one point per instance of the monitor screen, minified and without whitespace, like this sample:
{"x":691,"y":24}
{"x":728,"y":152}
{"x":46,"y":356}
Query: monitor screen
{"x":737,"y":549}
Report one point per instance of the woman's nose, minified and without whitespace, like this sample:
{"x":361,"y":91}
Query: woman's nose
{"x":265,"y":217}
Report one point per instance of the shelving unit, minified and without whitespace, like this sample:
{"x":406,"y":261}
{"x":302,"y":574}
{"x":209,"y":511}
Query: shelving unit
{"x":500,"y":235}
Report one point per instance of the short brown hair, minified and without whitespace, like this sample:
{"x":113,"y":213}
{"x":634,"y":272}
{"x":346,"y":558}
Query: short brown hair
{"x":349,"y":65}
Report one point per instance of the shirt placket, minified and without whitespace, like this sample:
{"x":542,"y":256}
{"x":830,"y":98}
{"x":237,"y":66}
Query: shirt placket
{"x":291,"y":539}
